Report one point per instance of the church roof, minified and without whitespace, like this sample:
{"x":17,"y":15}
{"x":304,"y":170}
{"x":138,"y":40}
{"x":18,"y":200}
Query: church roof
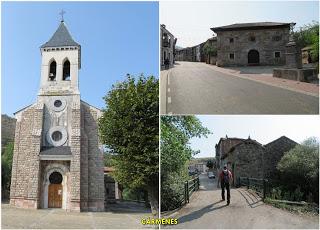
{"x":61,"y":37}
{"x":254,"y":25}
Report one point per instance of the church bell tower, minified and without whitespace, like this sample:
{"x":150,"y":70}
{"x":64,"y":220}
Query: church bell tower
{"x":57,"y":162}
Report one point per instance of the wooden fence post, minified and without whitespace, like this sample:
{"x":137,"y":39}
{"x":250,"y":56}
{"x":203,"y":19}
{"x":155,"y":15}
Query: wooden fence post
{"x":248,"y":182}
{"x":198,"y":181}
{"x":188,"y":191}
{"x":264,"y":188}
{"x":185,"y":192}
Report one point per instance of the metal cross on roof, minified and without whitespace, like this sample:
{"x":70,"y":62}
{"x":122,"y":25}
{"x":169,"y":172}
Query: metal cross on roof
{"x":62,"y":12}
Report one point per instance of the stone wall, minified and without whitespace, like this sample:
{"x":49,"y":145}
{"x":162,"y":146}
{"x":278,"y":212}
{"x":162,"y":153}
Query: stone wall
{"x":266,"y":42}
{"x":246,"y":160}
{"x":274,"y":151}
{"x":24,"y":190}
{"x":94,"y":159}
{"x":8,"y":126}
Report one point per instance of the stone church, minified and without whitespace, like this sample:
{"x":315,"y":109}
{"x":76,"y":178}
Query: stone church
{"x":57,"y":162}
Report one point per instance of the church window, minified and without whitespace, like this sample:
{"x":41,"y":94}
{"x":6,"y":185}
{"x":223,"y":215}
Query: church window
{"x":231,"y":56}
{"x":277,"y":54}
{"x":231,"y":40}
{"x":56,"y":136}
{"x":252,"y":38}
{"x":55,"y":178}
{"x":53,"y":70}
{"x":57,"y":103}
{"x":66,"y":71}
{"x":276,"y":38}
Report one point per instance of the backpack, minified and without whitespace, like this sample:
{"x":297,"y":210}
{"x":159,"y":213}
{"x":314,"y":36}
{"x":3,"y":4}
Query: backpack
{"x":225,"y":177}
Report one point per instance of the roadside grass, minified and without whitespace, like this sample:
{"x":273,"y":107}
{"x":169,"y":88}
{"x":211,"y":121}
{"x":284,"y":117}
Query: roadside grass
{"x":309,"y":209}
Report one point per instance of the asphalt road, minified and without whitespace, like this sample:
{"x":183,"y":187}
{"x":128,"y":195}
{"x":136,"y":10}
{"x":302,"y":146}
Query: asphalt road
{"x":194,"y":88}
{"x":246,"y":210}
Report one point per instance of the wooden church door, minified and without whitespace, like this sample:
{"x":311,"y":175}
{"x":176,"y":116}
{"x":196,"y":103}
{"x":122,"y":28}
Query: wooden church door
{"x":55,"y":196}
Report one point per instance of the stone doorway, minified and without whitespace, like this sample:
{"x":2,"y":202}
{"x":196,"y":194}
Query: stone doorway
{"x":55,"y":186}
{"x":253,"y":57}
{"x":55,"y":190}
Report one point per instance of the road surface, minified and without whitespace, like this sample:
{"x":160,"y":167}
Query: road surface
{"x":246,"y":210}
{"x":196,"y":88}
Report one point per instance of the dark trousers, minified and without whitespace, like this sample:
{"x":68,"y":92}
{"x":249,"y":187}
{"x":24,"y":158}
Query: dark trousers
{"x":227,"y":187}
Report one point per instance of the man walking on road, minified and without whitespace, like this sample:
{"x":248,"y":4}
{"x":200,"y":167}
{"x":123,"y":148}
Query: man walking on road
{"x":225,"y":178}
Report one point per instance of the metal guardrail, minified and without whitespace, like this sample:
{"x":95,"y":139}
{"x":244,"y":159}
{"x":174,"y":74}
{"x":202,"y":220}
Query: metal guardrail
{"x":259,"y":185}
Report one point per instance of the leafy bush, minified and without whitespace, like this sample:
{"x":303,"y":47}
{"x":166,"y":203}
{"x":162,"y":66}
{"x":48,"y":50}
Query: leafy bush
{"x":6,"y":167}
{"x":299,"y":172}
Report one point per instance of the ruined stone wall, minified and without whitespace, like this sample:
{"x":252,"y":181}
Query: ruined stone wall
{"x":266,"y":42}
{"x":24,"y":190}
{"x":274,"y":152}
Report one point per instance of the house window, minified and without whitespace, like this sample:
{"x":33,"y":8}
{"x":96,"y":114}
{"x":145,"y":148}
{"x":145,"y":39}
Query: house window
{"x":66,"y":71}
{"x":231,"y":40}
{"x":277,"y":54}
{"x":276,"y":38}
{"x":52,"y":71}
{"x":231,"y":56}
{"x":252,"y":38}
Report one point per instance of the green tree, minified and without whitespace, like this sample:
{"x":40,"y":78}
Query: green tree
{"x":210,"y":164}
{"x":129,"y":127}
{"x":299,"y":168}
{"x":6,"y":168}
{"x":308,"y":35}
{"x":176,"y":131}
{"x":209,"y":49}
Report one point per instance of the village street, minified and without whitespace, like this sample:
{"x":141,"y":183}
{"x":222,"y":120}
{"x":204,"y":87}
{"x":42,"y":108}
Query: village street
{"x":246,"y":210}
{"x":198,"y":88}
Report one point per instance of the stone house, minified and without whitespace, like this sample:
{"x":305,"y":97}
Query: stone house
{"x":249,"y":158}
{"x":57,"y":161}
{"x":274,"y":151}
{"x":223,"y":147}
{"x":259,"y":43}
{"x":168,"y":42}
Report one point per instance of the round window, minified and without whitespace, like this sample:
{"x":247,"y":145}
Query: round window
{"x":57,"y":103}
{"x":55,"y":178}
{"x":56,"y":136}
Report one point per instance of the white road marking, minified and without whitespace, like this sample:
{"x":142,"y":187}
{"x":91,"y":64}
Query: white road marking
{"x":170,"y":113}
{"x":168,"y":90}
{"x":169,"y":100}
{"x":168,"y":79}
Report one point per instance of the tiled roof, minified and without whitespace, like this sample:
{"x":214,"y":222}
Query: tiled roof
{"x":254,"y":25}
{"x":61,"y":37}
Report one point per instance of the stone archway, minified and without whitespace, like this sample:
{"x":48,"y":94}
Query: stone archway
{"x":253,"y":57}
{"x":63,"y":171}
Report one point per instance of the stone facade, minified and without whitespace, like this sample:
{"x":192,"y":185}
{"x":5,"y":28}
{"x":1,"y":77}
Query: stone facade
{"x":58,"y":135}
{"x":8,"y":126}
{"x":252,"y":44}
{"x":246,"y":160}
{"x":168,"y":42}
{"x":249,"y":158}
{"x":274,"y":151}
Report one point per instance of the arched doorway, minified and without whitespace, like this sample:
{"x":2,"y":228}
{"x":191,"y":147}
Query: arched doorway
{"x":253,"y":57}
{"x":55,"y":192}
{"x":55,"y":186}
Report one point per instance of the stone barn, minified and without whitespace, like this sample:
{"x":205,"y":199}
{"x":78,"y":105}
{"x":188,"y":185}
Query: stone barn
{"x":247,"y":44}
{"x":57,"y":162}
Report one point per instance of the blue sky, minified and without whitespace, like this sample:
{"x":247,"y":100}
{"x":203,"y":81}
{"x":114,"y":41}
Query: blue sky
{"x":191,"y":21}
{"x":116,"y":38}
{"x":262,"y":128}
